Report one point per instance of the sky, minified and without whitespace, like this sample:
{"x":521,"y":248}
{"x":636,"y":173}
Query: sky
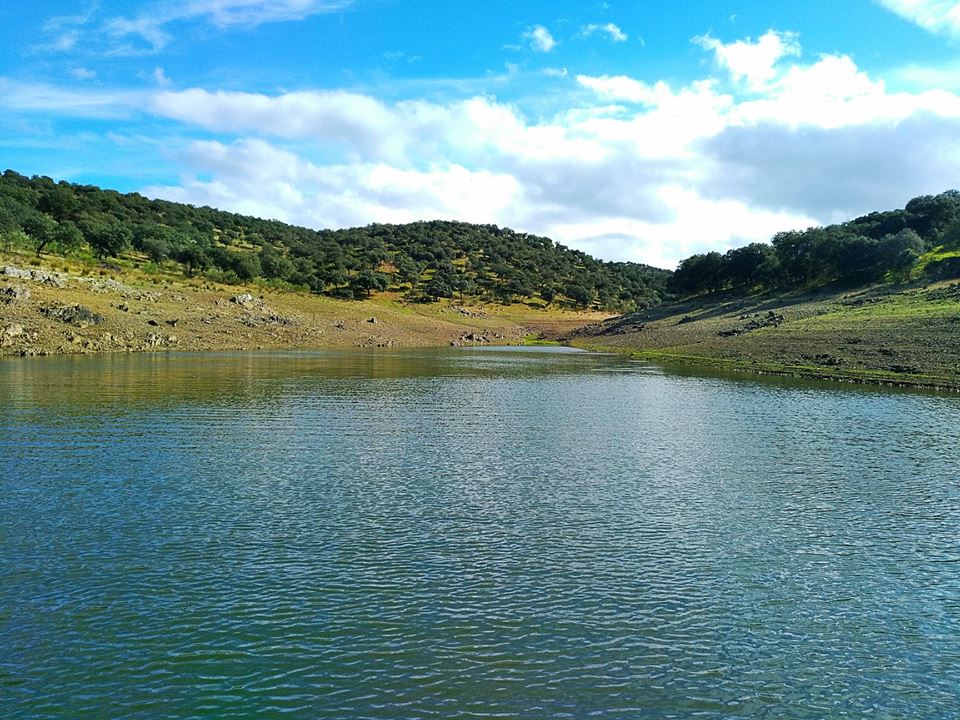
{"x":643,"y":130}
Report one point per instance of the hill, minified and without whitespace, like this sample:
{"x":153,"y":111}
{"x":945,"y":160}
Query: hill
{"x":423,"y":261}
{"x":869,"y":300}
{"x":906,"y":334}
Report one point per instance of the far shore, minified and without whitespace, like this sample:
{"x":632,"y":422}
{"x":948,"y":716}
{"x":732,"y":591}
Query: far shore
{"x":49,"y":309}
{"x":884,"y":335}
{"x":896,"y":335}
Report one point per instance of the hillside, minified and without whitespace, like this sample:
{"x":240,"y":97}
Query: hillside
{"x":69,"y":308}
{"x":894,"y":334}
{"x":421,"y":261}
{"x":869,"y":300}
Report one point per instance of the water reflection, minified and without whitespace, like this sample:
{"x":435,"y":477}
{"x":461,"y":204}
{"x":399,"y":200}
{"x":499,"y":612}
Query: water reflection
{"x":457,"y":533}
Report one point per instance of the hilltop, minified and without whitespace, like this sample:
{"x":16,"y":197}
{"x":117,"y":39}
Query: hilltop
{"x":874,"y":299}
{"x":421,"y":262}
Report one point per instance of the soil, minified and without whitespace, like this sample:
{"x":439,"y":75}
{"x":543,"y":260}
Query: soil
{"x":44,"y":311}
{"x":900,"y":335}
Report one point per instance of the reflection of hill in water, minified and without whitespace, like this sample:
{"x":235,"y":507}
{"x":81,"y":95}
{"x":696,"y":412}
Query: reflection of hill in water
{"x":124,"y":382}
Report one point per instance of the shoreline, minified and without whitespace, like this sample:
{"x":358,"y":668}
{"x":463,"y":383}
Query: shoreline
{"x":722,"y":366}
{"x":49,"y":309}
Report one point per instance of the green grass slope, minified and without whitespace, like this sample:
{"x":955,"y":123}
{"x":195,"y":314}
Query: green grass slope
{"x":897,"y":334}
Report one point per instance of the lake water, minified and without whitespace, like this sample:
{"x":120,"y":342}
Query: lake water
{"x":471,"y":534}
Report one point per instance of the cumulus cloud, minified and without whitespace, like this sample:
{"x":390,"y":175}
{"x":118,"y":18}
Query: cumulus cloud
{"x":255,"y":177}
{"x":752,"y":61}
{"x":613,"y":32}
{"x":937,"y":16}
{"x":623,"y":89}
{"x":540,"y":39}
{"x":631,"y":168}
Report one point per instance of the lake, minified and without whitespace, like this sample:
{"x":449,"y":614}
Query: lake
{"x":470,"y":533}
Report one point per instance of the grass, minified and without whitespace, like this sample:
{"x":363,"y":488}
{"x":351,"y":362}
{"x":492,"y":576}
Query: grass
{"x":207,"y":320}
{"x":900,"y":335}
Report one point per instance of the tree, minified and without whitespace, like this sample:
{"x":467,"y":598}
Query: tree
{"x":107,"y":237}
{"x":438,"y":287}
{"x":366,"y":281}
{"x":698,"y":274}
{"x":59,"y":202}
{"x":745,"y":266}
{"x":191,"y":256}
{"x":578,"y":293}
{"x":274,"y":264}
{"x":930,"y":215}
{"x":408,"y":271}
{"x":901,"y":250}
{"x":67,"y":237}
{"x":41,"y":228}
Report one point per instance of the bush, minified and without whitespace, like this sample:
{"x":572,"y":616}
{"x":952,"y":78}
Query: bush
{"x":945,"y":269}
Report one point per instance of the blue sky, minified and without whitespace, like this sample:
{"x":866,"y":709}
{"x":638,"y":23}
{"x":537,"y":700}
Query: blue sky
{"x":641,"y":130}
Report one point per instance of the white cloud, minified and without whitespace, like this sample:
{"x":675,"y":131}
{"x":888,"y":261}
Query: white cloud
{"x":257,"y":178}
{"x":151,"y":31}
{"x":81,"y":73}
{"x":630,"y":168}
{"x":753,"y":62}
{"x":225,"y":13}
{"x":937,"y":16}
{"x":48,"y":99}
{"x":612,"y":31}
{"x":160,"y":77}
{"x":540,"y":39}
{"x":623,"y":88}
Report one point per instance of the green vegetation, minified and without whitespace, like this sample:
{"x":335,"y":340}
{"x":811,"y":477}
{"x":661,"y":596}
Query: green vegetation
{"x":424,"y":260}
{"x":902,"y":334}
{"x":922,"y":240}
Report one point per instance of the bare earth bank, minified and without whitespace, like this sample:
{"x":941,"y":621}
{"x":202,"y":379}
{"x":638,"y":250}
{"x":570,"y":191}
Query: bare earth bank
{"x":43,"y":312}
{"x":898,"y":335}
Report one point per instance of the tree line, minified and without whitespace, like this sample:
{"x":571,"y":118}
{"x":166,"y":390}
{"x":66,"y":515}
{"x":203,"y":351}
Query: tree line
{"x":872,"y":248}
{"x":424,"y":260}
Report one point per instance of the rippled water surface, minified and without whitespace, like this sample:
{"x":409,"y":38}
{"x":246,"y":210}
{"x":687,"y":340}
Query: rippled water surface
{"x":469,"y":533}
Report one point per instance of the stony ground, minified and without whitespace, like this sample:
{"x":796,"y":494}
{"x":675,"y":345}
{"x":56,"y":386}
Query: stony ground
{"x":890,"y":334}
{"x":53,"y":310}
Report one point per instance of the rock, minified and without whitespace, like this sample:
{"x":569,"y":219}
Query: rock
{"x":373,"y":321}
{"x":13,"y":330}
{"x":14,"y":293}
{"x":252,"y":320}
{"x":244,"y":299}
{"x":40,"y":276}
{"x":73,"y":315}
{"x":153,"y":323}
{"x":14,"y":272}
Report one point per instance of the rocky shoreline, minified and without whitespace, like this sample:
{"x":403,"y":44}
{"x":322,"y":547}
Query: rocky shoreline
{"x":43,"y":312}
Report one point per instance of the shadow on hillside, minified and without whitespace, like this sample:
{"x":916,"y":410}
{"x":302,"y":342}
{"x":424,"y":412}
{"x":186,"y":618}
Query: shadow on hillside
{"x":728,"y":303}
